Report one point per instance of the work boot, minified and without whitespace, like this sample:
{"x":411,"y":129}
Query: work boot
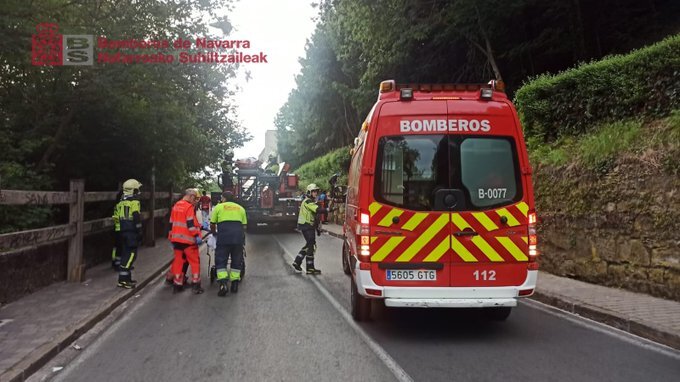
{"x":196,"y":288}
{"x":234,"y":286}
{"x":187,"y":281}
{"x":296,"y":267}
{"x":223,"y":290}
{"x":176,"y":288}
{"x":311,"y":269}
{"x":126,"y":284}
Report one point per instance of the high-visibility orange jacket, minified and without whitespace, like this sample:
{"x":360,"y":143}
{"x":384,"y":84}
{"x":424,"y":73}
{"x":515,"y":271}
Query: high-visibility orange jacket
{"x":185,"y":228}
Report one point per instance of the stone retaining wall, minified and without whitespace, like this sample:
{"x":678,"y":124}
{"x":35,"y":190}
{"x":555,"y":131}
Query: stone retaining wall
{"x":618,"y":226}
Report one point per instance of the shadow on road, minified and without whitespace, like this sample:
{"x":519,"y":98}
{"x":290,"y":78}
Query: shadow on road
{"x":271,"y":229}
{"x":436,"y":323}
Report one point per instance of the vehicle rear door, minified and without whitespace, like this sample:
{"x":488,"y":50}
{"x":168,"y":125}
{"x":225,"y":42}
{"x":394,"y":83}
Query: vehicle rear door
{"x":489,"y":230}
{"x":410,"y":238}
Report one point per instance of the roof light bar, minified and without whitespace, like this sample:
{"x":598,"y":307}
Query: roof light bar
{"x":406,"y":94}
{"x":387,"y":86}
{"x":486,"y":93}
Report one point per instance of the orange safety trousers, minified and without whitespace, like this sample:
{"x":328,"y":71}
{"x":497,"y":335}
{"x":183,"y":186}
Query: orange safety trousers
{"x":191,"y":253}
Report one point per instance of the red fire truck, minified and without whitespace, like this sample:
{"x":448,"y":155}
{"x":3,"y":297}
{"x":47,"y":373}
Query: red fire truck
{"x":440,"y":204}
{"x":267,"y":197}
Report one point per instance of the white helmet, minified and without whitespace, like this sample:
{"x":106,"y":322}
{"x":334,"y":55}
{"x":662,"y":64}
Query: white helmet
{"x":130,"y":185}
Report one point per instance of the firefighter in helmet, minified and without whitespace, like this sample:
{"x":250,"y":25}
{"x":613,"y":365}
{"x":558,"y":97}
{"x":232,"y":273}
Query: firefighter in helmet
{"x":128,"y":212}
{"x":228,"y":223}
{"x":308,"y":222}
{"x":117,"y":240}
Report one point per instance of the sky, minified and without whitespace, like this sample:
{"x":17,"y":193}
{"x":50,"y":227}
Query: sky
{"x":280,"y":29}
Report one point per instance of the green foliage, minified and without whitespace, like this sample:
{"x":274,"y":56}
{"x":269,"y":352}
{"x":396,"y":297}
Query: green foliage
{"x":608,"y":141}
{"x":321,"y":169}
{"x":644,"y":82}
{"x":109,"y":122}
{"x":359,"y":43}
{"x":611,"y":139}
{"x":554,"y":154}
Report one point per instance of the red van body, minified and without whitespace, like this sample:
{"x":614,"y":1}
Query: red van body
{"x":440,"y":204}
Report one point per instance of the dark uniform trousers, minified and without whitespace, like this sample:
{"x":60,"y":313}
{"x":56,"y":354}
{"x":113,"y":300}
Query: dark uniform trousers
{"x":223,"y":253}
{"x":309,"y":233}
{"x":127,"y":259}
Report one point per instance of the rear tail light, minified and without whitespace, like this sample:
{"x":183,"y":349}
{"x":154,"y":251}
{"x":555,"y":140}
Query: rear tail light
{"x":364,"y":253}
{"x":533,"y":239}
{"x":364,"y":238}
{"x":526,"y":292}
{"x":374,"y":292}
{"x":365,"y":219}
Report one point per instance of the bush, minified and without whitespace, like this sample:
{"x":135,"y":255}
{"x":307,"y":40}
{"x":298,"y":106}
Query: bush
{"x":321,"y":169}
{"x":645,"y":82}
{"x":609,"y":140}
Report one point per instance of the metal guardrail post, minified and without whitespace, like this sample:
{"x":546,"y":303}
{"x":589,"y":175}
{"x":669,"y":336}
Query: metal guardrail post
{"x":75,"y":265}
{"x":150,"y":237}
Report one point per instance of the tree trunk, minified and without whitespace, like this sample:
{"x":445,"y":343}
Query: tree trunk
{"x":580,"y":32}
{"x":487,"y":47}
{"x":347,"y":126}
{"x":63,"y":125}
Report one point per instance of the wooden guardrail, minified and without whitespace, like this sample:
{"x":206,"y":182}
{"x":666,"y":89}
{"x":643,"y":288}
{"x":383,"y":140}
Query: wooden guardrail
{"x":76,"y":228}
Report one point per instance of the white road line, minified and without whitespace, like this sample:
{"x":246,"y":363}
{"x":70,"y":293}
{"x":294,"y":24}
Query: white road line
{"x":602,"y":328}
{"x":391,"y":364}
{"x":605,"y":329}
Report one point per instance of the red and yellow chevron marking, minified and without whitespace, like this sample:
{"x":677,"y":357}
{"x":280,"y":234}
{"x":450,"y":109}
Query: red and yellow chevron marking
{"x":434,"y":241}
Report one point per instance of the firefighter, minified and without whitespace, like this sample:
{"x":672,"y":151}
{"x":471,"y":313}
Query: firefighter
{"x":117,"y":239}
{"x":227,"y":183}
{"x":228,"y":223}
{"x":128,"y":211}
{"x":185,"y":236}
{"x":308,"y":224}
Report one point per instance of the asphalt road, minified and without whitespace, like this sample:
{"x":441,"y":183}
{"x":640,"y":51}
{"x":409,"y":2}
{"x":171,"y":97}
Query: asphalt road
{"x":287,"y":327}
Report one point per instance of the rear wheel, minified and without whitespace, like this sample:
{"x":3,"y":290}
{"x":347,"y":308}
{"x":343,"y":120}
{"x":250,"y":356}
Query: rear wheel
{"x":345,"y":259}
{"x":361,"y":306}
{"x":498,"y":314}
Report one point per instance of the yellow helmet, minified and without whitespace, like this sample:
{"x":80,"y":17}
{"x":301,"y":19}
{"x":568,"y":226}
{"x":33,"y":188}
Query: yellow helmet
{"x":312,"y":187}
{"x":130,"y":185}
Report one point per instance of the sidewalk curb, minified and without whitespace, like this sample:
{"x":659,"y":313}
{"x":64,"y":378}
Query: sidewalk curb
{"x":39,"y":357}
{"x":598,"y":314}
{"x":609,"y":318}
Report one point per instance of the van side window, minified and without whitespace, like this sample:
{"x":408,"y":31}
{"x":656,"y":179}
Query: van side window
{"x":355,"y":172}
{"x":488,"y":170}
